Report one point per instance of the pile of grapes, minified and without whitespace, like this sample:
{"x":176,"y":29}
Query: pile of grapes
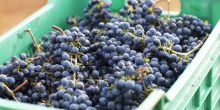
{"x":107,"y":60}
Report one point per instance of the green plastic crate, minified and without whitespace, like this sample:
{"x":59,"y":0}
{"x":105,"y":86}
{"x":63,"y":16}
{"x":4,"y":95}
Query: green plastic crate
{"x":197,"y":88}
{"x":205,"y":9}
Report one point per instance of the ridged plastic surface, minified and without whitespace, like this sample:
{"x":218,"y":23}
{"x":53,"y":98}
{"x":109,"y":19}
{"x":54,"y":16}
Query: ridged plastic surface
{"x":198,"y":88}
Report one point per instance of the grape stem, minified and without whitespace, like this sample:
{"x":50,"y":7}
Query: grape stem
{"x":10,"y":92}
{"x":20,"y":86}
{"x":50,"y":58}
{"x":33,"y":58}
{"x":184,"y":55}
{"x":74,"y":74}
{"x":101,"y":4}
{"x":59,"y":29}
{"x":74,"y":21}
{"x":142,"y":80}
{"x":33,"y":39}
{"x":15,"y":90}
{"x":141,"y":70}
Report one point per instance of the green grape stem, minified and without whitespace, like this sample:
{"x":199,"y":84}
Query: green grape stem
{"x":10,"y":92}
{"x":75,"y":23}
{"x":185,"y":55}
{"x":33,"y":39}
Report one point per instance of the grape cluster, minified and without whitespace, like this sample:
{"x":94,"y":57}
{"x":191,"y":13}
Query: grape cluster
{"x":106,"y":61}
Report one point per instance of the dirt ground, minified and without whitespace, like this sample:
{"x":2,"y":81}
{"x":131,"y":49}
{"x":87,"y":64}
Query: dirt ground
{"x":14,"y":11}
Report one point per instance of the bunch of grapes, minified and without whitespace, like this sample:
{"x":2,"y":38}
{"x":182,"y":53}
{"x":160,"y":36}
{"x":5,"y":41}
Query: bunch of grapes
{"x":106,"y":61}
